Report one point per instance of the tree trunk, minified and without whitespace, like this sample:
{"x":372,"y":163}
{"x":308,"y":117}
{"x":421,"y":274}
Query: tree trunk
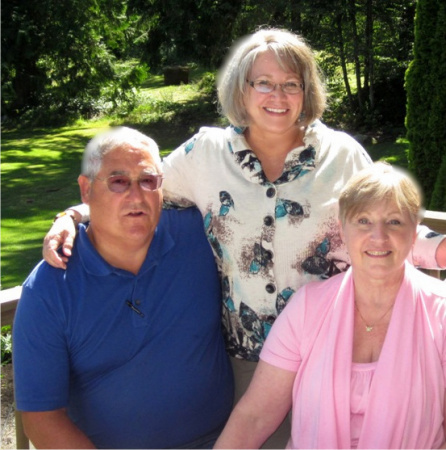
{"x":369,"y":63}
{"x":354,"y":28}
{"x":339,"y":20}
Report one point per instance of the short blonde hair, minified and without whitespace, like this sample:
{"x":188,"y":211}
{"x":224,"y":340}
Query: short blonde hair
{"x":113,"y":138}
{"x":380,"y":182}
{"x":292,"y":53}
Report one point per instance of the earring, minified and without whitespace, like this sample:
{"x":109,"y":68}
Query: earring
{"x":302,"y":116}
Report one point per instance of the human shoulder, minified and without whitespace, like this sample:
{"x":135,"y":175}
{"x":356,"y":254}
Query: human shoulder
{"x":182,"y":223}
{"x":207,"y":139}
{"x":309,"y":306}
{"x":42,"y":276}
{"x":429,"y":285}
{"x":325,"y":132}
{"x":185,"y":218}
{"x":41,"y":294}
{"x":182,"y":244}
{"x":216,"y":133}
{"x":335,"y":143}
{"x":427,"y":294}
{"x":317,"y":295}
{"x":50,"y":281}
{"x":324,"y":285}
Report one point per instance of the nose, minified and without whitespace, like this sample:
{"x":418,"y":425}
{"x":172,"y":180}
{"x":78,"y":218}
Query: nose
{"x":278,"y":90}
{"x":135,"y":191}
{"x":379,"y":232}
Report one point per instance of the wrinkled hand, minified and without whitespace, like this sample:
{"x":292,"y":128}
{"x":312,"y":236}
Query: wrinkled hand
{"x":61,"y":234}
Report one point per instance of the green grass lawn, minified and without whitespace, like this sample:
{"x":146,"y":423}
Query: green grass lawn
{"x":40,"y":167}
{"x":392,"y":151}
{"x":39,"y":171}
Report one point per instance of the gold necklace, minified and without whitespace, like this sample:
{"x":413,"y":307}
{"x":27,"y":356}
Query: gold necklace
{"x":369,"y":328}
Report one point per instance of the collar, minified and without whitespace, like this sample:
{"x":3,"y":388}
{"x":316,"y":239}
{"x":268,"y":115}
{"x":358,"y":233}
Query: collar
{"x":299,"y":161}
{"x":95,"y":264}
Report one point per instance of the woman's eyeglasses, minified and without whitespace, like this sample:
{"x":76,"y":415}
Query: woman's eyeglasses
{"x":265,"y":86}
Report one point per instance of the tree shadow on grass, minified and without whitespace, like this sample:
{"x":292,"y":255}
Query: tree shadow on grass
{"x":39,"y":178}
{"x":176,"y":121}
{"x":17,"y":263}
{"x":394,"y":153}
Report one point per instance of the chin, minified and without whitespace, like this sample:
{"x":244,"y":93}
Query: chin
{"x":139,"y":232}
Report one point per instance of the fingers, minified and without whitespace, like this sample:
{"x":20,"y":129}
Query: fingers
{"x":53,"y":257}
{"x":61,"y":235}
{"x":67,"y":246}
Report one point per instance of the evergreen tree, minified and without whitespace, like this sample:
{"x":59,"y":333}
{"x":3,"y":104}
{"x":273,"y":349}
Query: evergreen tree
{"x":60,"y":57}
{"x":438,"y":200}
{"x":426,"y":99}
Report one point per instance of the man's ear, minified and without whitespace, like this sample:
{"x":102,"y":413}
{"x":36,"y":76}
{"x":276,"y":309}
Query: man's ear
{"x":85,"y":188}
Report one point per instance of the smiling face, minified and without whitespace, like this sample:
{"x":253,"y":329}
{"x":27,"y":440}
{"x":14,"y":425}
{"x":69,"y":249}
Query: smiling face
{"x":379,"y":240}
{"x":126,"y":219}
{"x":274,"y":112}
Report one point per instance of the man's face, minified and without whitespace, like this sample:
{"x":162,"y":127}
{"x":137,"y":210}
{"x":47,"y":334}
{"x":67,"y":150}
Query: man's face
{"x":128,"y":217}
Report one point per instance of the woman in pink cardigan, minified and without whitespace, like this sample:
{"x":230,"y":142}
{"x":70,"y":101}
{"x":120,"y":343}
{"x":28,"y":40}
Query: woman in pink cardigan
{"x":361,"y":357}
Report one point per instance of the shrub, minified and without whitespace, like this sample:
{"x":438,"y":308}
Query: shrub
{"x":6,"y":345}
{"x":438,"y":201}
{"x":426,"y":96}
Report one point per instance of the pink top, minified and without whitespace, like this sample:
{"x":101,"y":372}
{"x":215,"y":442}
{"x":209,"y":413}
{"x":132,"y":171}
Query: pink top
{"x":362,"y":375}
{"x":404,"y":405}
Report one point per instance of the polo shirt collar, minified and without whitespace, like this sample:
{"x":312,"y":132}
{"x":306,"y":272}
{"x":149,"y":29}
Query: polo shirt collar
{"x":95,"y":264}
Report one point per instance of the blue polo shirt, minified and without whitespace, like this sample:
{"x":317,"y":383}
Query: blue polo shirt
{"x":138,"y":360}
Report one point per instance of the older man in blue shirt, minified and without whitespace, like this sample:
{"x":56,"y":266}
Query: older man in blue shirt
{"x":124,"y":349}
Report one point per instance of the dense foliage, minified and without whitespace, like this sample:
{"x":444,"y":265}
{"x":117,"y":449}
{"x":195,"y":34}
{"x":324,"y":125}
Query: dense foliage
{"x":426,"y":108}
{"x":83,"y":58}
{"x":438,"y":200}
{"x":68,"y":56}
{"x":6,"y":345}
{"x":62,"y":58}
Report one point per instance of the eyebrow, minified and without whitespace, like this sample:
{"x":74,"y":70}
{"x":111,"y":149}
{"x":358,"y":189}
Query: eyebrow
{"x":291,"y":77}
{"x":143,"y":172}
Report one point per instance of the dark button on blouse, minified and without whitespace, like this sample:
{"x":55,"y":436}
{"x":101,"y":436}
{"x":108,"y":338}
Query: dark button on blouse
{"x":270,"y":288}
{"x":268,"y":221}
{"x":270,"y":192}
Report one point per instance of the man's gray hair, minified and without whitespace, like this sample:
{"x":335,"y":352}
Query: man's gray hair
{"x":119,"y":137}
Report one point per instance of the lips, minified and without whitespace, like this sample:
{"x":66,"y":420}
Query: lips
{"x":135,"y":213}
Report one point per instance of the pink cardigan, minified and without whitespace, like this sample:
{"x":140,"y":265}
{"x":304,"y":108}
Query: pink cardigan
{"x":313,"y":337}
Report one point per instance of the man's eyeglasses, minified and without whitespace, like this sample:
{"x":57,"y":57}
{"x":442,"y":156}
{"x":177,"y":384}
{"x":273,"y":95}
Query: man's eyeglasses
{"x":265,"y":86}
{"x":122,"y":183}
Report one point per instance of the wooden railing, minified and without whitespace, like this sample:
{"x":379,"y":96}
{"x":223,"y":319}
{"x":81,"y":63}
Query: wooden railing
{"x":10,"y":297}
{"x":436,"y":220}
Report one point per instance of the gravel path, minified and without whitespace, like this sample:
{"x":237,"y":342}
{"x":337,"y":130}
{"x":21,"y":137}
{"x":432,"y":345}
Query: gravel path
{"x":8,"y":440}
